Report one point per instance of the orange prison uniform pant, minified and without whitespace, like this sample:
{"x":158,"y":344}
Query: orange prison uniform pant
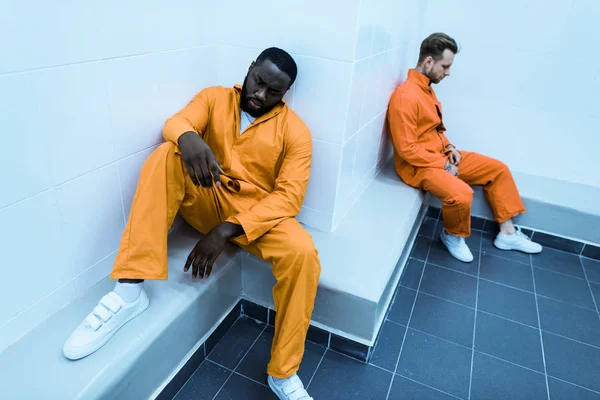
{"x":164,"y":188}
{"x":457,"y":196}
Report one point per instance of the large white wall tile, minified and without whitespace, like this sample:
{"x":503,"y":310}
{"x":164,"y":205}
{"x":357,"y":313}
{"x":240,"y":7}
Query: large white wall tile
{"x":379,"y":87}
{"x":73,"y":109}
{"x":358,"y":89}
{"x":233,"y":64}
{"x":24,"y":162}
{"x":485,"y":23}
{"x":65,"y":32}
{"x":580,"y":29}
{"x":136,"y":115}
{"x":329,"y":32}
{"x":324,"y":176}
{"x":32,"y":253}
{"x":367,"y":149}
{"x":94,"y":274}
{"x":295,"y":27}
{"x":25,"y":321}
{"x":321,"y":96}
{"x":182,"y":74}
{"x":129,"y":174}
{"x":92,"y":217}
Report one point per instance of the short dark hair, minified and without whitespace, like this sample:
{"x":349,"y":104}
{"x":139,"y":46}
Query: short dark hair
{"x":282,"y":60}
{"x":434,"y":46}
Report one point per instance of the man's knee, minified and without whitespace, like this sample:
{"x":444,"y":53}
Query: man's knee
{"x":301,"y":254}
{"x":463,"y":197}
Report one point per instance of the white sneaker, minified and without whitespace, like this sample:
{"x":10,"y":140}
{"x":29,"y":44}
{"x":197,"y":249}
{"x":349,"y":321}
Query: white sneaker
{"x":111,"y":313}
{"x":517,"y":241}
{"x":289,"y":389}
{"x":457,"y":247}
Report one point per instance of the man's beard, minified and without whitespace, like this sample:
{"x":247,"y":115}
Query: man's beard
{"x":244,"y":103}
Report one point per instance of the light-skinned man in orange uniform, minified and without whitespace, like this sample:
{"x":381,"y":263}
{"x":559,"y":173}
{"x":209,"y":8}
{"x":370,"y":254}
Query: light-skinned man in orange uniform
{"x":425,"y":158}
{"x":236,"y":165}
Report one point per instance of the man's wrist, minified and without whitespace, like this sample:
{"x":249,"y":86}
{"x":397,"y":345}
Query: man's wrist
{"x":229,"y":230}
{"x":185,"y":135}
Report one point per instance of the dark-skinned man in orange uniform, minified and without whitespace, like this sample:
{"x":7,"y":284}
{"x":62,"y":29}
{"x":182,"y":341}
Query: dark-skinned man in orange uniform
{"x":235,"y":164}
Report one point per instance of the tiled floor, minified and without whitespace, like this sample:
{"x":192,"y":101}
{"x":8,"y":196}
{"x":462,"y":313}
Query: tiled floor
{"x":507,"y":326}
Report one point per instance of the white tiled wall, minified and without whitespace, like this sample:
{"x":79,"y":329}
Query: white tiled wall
{"x":85,"y":94}
{"x":524,"y":86}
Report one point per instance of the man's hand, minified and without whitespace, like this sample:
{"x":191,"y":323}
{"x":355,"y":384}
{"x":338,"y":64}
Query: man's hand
{"x":208,"y":249}
{"x":199,"y":160}
{"x":451,"y":169}
{"x":454,"y":156}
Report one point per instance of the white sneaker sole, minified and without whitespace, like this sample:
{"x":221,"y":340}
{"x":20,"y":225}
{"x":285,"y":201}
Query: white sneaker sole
{"x":504,"y":247}
{"x":81,"y":352}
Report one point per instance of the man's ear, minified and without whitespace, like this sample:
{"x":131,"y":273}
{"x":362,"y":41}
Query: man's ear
{"x":252,"y":65}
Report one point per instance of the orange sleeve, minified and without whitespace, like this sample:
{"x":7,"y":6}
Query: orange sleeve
{"x":193,"y":117}
{"x":402,"y":118}
{"x":287,"y":197}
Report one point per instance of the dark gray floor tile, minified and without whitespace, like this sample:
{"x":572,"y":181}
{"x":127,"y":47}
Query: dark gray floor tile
{"x":500,"y":380}
{"x":349,"y":347}
{"x":436,"y":363}
{"x":477,"y":223}
{"x":488,"y":247}
{"x":558,"y":261}
{"x":388,"y":345}
{"x":340,"y":378}
{"x":570,"y":321}
{"x":421,"y":248}
{"x":183,"y":375}
{"x":560,"y":390}
{"x":434,"y":212}
{"x":405,"y":389}
{"x":446,"y":320}
{"x":507,"y":302}
{"x":317,"y":336}
{"x":439,"y":256}
{"x":596,"y":291}
{"x":204,"y":383}
{"x":491,"y":227}
{"x":238,"y":387}
{"x":403,"y":304}
{"x":223,"y":327}
{"x":564,"y":288}
{"x":558,"y":243}
{"x":428,"y":227}
{"x":255,"y":363}
{"x":508,"y":272}
{"x":591,"y":252}
{"x":236,"y":342}
{"x":572,"y":361}
{"x":592,"y":269}
{"x":255,"y":311}
{"x":412,"y":274}
{"x":510,"y":341}
{"x":449,"y":285}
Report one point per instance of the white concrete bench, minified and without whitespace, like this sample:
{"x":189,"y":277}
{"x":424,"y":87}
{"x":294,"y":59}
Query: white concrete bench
{"x":361,"y":270}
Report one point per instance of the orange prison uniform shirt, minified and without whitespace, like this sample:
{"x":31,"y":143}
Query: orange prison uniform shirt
{"x":266,"y":175}
{"x":420,"y":154}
